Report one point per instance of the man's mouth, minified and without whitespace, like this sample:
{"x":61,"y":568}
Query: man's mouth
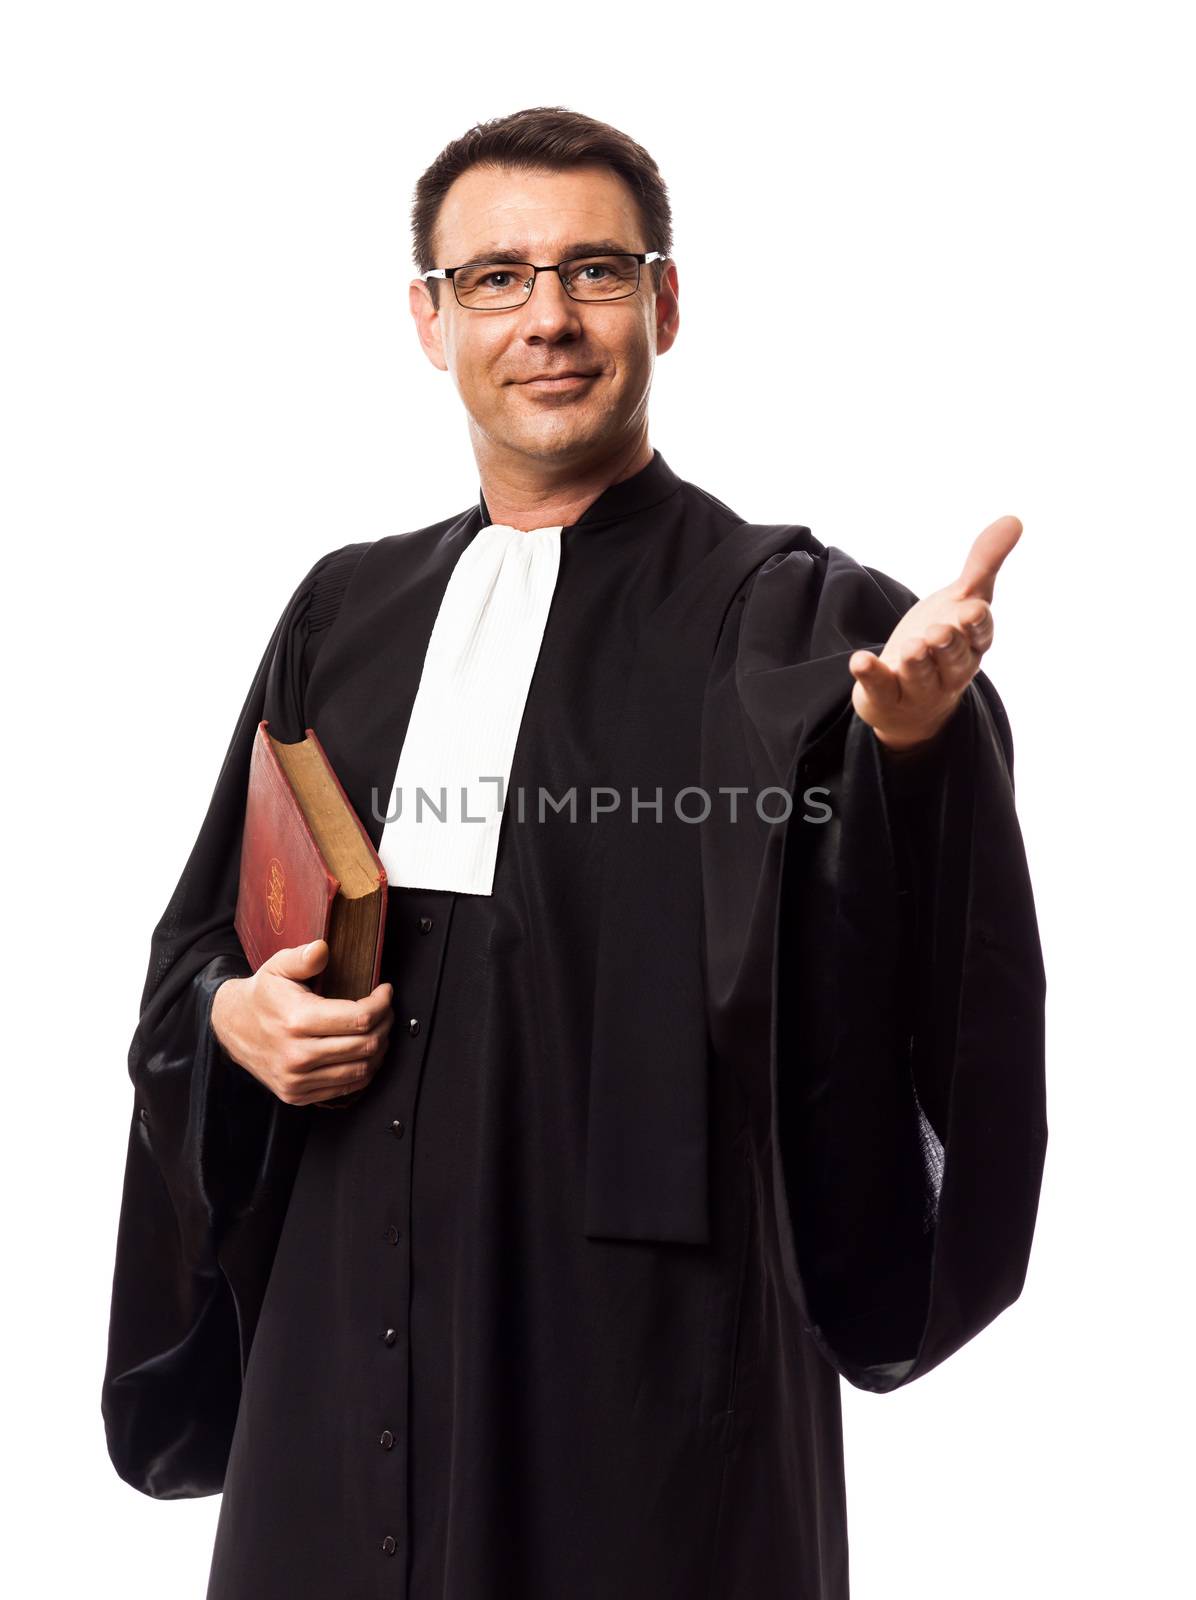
{"x":562,"y":382}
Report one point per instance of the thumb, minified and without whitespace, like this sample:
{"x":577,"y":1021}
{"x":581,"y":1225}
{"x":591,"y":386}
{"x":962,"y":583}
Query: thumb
{"x":299,"y":961}
{"x":989,"y":549}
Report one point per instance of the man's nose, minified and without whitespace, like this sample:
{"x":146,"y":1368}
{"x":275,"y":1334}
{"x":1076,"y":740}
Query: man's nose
{"x":549,"y":305}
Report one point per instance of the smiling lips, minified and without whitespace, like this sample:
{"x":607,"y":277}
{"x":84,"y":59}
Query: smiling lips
{"x":561,"y":380}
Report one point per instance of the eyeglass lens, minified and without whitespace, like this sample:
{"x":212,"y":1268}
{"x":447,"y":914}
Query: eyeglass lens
{"x":499,"y":284}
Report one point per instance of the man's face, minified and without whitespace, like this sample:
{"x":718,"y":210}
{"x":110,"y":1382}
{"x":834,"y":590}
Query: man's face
{"x":493,"y":355}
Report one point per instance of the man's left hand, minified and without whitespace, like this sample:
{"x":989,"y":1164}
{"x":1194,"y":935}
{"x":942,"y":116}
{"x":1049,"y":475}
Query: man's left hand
{"x":908,"y":692}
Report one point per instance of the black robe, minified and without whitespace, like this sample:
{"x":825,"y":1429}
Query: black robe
{"x":681,"y":1123}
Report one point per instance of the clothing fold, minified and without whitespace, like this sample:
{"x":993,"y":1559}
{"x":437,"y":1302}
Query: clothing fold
{"x":907,"y":1127}
{"x":695,"y":1113}
{"x":211,"y":1153}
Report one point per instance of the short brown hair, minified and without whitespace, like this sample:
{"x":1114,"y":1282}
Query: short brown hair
{"x":551,"y":137}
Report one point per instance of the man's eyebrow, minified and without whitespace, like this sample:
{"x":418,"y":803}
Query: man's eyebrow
{"x":586,"y":247}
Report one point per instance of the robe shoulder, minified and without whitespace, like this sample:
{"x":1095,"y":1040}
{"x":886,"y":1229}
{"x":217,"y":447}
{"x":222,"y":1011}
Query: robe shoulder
{"x":211,"y":1154}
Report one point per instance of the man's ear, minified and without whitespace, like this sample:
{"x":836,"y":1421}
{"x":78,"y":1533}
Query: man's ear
{"x":667,"y":310}
{"x":427,"y":322}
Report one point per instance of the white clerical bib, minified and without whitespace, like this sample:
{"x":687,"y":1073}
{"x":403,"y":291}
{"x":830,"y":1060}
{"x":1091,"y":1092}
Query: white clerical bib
{"x":465,"y":719}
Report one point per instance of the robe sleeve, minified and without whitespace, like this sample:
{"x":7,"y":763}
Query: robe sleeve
{"x":908,"y":1115}
{"x":211,"y":1153}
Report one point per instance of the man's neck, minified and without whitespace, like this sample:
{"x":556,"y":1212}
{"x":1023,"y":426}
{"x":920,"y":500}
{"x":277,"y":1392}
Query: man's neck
{"x":522,"y":500}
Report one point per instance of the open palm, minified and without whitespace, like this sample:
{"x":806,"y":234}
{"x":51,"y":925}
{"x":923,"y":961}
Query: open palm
{"x":909,"y":691}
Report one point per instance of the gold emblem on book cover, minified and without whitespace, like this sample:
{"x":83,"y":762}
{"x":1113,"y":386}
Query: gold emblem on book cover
{"x":276,"y":895}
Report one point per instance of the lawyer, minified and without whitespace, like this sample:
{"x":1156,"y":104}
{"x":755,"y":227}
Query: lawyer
{"x":665,"y":1119}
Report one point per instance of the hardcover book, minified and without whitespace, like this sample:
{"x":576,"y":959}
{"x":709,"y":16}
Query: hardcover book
{"x":308,"y":868}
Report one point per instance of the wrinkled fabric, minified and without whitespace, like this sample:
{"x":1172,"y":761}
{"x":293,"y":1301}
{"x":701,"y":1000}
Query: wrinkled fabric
{"x":211,"y":1153}
{"x":398,"y":1337}
{"x":904,"y":1122}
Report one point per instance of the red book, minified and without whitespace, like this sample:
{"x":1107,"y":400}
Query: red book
{"x":308,"y":868}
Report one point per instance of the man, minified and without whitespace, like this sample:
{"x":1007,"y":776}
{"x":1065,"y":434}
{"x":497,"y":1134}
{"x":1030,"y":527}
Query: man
{"x":534,"y":1272}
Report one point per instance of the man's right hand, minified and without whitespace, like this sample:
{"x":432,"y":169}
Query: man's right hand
{"x":303,"y":1047}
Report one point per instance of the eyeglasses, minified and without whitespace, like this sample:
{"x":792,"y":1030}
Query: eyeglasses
{"x":503,"y":285}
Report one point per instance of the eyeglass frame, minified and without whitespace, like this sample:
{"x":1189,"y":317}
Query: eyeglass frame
{"x":641,"y":258}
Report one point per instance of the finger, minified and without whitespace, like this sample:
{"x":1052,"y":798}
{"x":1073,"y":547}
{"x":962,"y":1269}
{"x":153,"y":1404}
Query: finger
{"x":975,"y":617}
{"x":299,"y":962}
{"x":324,"y":1083}
{"x":329,"y":1052}
{"x":875,"y":678}
{"x":919,"y":681}
{"x":955,"y":655}
{"x":318,"y":1017}
{"x":917,"y":667}
{"x":988,"y":551}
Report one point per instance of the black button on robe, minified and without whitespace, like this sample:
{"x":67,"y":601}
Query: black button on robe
{"x":678,"y":1125}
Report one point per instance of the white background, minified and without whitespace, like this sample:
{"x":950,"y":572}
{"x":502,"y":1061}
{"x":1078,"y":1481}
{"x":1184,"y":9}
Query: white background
{"x":935,"y":265}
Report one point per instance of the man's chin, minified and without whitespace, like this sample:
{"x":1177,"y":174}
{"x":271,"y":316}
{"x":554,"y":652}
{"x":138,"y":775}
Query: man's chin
{"x":558,"y":438}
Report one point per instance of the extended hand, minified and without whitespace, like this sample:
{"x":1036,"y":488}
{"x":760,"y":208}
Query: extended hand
{"x":909,"y":691}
